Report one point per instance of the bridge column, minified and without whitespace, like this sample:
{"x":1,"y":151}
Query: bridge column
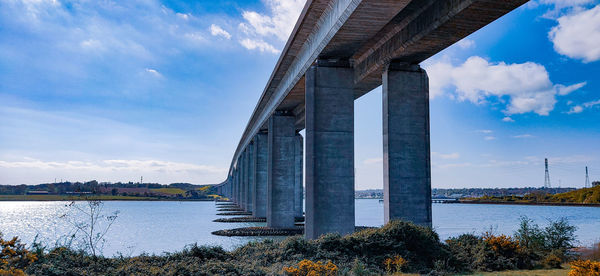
{"x":250,"y":178}
{"x":280,"y":171}
{"x":298,"y":166}
{"x":406,"y":156}
{"x":244,"y":168}
{"x":239,"y":182}
{"x":234,"y":185}
{"x":259,"y":197}
{"x":329,"y":151}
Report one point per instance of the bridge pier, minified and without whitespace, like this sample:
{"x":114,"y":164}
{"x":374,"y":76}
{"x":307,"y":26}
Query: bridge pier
{"x":250,"y":179}
{"x":259,"y":196}
{"x":298,"y":166}
{"x":329,"y":151}
{"x":406,"y":157}
{"x":244,"y":168}
{"x":280,"y":196}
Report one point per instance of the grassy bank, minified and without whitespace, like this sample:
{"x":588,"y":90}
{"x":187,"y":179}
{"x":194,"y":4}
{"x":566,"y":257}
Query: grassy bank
{"x":579,"y":197}
{"x":398,"y":247}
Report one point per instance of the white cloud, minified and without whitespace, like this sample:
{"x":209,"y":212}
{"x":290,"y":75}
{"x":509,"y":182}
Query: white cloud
{"x":183,"y":16}
{"x":580,"y":108}
{"x":526,"y":86}
{"x":577,"y":35}
{"x":575,"y":109}
{"x":454,"y":155}
{"x":218,"y":31}
{"x":370,"y":161}
{"x":280,"y":22}
{"x":565,"y":90}
{"x":507,"y":119}
{"x":153,"y":72}
{"x":466,"y":43}
{"x":523,"y":136}
{"x":486,"y":131}
{"x":489,"y":138}
{"x":260,"y":45}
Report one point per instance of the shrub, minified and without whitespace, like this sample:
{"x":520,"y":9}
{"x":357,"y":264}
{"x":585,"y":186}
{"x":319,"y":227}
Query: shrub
{"x":395,"y":264}
{"x":14,"y":258}
{"x":585,"y":268}
{"x":310,"y":268}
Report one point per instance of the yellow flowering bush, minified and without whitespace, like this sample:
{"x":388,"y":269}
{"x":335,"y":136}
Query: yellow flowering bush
{"x":310,"y":268}
{"x":585,"y":268}
{"x":395,"y":264}
{"x":14,"y":257}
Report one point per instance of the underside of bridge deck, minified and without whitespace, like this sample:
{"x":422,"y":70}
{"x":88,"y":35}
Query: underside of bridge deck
{"x":338,"y":51}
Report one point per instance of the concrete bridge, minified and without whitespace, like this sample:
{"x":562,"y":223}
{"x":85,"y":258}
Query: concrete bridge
{"x":338,"y":51}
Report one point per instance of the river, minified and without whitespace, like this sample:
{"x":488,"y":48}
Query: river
{"x":167,"y":226}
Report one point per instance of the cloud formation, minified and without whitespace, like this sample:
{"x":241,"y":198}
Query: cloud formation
{"x":577,"y":34}
{"x":218,"y":31}
{"x":277,"y":24}
{"x":525,"y":86}
{"x":260,"y":45}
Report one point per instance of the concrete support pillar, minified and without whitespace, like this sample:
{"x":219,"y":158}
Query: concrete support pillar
{"x":298,"y":176}
{"x":235,"y":186}
{"x":406,"y":155}
{"x":280,"y":172}
{"x":244,"y":173}
{"x":250,"y":177}
{"x":329,"y":151}
{"x":259,"y":197}
{"x":239,"y":182}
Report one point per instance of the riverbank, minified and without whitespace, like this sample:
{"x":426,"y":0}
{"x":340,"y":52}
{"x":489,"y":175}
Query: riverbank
{"x":92,"y":197}
{"x":397,"y":247}
{"x":525,"y":203}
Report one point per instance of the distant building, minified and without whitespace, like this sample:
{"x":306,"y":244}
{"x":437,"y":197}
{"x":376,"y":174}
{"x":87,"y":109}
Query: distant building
{"x":595,"y":183}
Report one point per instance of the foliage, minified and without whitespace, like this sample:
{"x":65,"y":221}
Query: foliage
{"x":579,"y":196}
{"x":397,"y":247}
{"x":90,"y":224}
{"x":169,"y":191}
{"x":585,"y":268}
{"x":310,"y":268}
{"x":395,"y":264}
{"x":14,"y":257}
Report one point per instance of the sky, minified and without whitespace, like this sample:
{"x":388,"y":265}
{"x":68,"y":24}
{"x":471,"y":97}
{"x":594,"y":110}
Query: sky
{"x":116,"y":90}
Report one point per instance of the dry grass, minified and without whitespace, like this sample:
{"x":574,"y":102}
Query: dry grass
{"x":536,"y":272}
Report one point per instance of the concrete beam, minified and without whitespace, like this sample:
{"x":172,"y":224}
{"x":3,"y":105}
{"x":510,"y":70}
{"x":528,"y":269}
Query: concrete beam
{"x":421,"y":30}
{"x":259,"y":197}
{"x":329,"y":151}
{"x":280,"y":171}
{"x":406,"y":150}
{"x":298,"y":176}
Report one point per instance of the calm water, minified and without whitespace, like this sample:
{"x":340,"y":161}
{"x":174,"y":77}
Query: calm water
{"x":155,"y":227}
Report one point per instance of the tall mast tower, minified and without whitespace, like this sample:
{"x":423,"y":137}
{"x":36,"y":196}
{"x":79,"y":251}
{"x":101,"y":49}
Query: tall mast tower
{"x":547,"y":177}
{"x":587,"y":178}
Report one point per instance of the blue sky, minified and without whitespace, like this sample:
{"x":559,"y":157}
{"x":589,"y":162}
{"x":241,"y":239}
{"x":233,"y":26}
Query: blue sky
{"x":115,"y":90}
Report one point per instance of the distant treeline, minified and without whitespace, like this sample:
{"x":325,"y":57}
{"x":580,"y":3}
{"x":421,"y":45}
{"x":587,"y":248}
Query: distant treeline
{"x":472,"y":192}
{"x":173,"y":190}
{"x":580,"y":196}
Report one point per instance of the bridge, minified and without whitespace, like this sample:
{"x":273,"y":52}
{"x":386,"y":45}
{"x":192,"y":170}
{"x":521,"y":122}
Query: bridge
{"x":338,"y":51}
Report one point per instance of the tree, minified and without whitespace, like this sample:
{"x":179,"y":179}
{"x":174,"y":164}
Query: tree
{"x":90,"y":224}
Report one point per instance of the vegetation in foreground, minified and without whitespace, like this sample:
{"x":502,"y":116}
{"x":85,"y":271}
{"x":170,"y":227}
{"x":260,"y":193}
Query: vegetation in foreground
{"x":398,"y":247}
{"x":579,"y":196}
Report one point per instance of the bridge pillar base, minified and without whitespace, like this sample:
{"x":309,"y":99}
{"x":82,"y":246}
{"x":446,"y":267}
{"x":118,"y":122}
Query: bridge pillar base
{"x":259,"y":197}
{"x":280,"y":192}
{"x":329,"y":151}
{"x":406,"y":156}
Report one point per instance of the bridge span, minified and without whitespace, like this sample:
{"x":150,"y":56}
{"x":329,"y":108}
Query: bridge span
{"x":338,"y":51}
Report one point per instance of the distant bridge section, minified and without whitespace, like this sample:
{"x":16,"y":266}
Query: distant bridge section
{"x":338,"y":51}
